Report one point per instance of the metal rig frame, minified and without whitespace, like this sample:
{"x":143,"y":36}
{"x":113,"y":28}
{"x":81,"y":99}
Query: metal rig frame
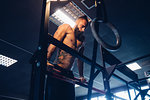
{"x":39,"y":60}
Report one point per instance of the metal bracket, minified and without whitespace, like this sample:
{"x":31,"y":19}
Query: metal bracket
{"x":110,"y":71}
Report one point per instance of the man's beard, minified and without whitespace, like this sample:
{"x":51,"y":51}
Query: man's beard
{"x":77,"y":32}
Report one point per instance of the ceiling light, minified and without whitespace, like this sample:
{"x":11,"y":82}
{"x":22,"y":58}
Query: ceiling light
{"x":144,"y":87}
{"x":148,"y":92}
{"x":63,"y":18}
{"x":76,"y":85}
{"x":133,"y":66}
{"x":6,"y":61}
{"x":51,"y":0}
{"x":67,"y":14}
{"x":148,"y":80}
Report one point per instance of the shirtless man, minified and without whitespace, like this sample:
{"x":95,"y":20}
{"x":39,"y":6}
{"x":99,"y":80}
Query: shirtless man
{"x":74,"y":38}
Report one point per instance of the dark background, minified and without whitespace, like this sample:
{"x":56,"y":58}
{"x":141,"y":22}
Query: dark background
{"x":19,"y":34}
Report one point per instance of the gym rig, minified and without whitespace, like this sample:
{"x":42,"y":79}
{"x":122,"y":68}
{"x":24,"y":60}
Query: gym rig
{"x":39,"y":59}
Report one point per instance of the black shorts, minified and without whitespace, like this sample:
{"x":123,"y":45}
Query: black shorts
{"x":60,"y":90}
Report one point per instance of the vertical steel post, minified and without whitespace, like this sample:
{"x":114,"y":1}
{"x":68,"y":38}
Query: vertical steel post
{"x":92,"y":69}
{"x":139,"y":89}
{"x":39,"y":58}
{"x":134,"y":92}
{"x":98,"y":15}
{"x":105,"y":77}
{"x":128,"y":91}
{"x":139,"y":94}
{"x":100,"y":10}
{"x":101,"y":15}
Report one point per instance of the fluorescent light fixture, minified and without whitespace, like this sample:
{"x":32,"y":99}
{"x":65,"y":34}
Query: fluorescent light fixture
{"x":51,"y":0}
{"x":64,"y":18}
{"x":76,"y":85}
{"x":6,"y":61}
{"x":95,"y":98}
{"x":67,"y":14}
{"x":56,"y":0}
{"x":133,"y":66}
{"x":147,"y":97}
{"x":144,"y":87}
{"x":148,"y":80}
{"x":148,"y":92}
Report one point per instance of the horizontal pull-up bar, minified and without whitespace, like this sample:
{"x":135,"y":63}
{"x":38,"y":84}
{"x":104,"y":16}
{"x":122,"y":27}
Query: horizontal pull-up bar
{"x":56,"y":75}
{"x":72,"y":52}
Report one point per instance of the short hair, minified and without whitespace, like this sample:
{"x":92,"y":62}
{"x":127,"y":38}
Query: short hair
{"x":83,"y":17}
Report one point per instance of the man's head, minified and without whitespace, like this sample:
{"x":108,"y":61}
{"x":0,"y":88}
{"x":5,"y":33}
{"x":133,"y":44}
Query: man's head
{"x":81,"y":24}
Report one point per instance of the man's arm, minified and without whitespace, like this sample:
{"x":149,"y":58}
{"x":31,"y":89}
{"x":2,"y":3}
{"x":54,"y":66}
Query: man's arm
{"x":80,"y":66}
{"x":59,"y":35}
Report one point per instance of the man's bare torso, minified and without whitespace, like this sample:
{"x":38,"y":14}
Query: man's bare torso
{"x":64,"y":59}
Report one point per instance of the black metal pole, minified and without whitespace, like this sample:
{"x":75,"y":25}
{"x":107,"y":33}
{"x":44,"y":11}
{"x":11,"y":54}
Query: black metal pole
{"x":137,"y":96}
{"x":100,"y":10}
{"x":39,"y":58}
{"x":105,"y":77}
{"x":128,"y":91}
{"x":101,"y":15}
{"x":92,"y":69}
{"x":135,"y":92}
{"x":139,"y":87}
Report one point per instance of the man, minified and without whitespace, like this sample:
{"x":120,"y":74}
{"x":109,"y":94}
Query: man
{"x":74,"y":38}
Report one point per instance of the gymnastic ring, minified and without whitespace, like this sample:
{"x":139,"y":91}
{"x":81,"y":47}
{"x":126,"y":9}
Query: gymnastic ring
{"x":100,"y":40}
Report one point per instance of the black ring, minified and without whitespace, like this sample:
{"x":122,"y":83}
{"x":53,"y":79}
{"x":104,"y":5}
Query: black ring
{"x":100,"y":40}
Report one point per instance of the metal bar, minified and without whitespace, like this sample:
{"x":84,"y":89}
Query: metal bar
{"x":118,"y":97}
{"x":100,"y":10}
{"x":103,"y":9}
{"x":116,"y":76}
{"x":148,"y":95}
{"x":96,"y":73}
{"x":72,"y":52}
{"x":4,"y":97}
{"x":39,"y":62}
{"x":137,"y":96}
{"x":144,"y":93}
{"x":92,"y":69}
{"x":86,"y":86}
{"x":105,"y":76}
{"x":110,"y":70}
{"x":139,"y":87}
{"x":133,"y":60}
{"x":124,"y":81}
{"x":74,"y":81}
{"x":134,"y":92}
{"x":128,"y":91}
{"x":138,"y":80}
{"x":99,"y":14}
{"x":125,"y":70}
{"x":45,"y":81}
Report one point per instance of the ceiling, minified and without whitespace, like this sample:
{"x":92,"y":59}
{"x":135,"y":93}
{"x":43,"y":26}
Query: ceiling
{"x":19,"y":34}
